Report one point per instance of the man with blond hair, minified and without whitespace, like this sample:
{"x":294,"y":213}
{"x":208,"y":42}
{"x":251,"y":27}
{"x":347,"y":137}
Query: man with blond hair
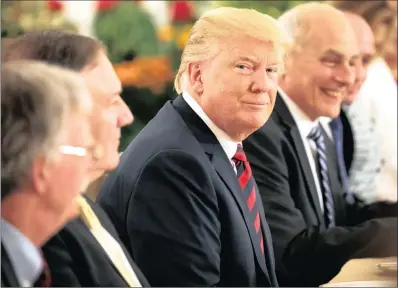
{"x":316,"y":226}
{"x":183,"y":194}
{"x":45,"y":160}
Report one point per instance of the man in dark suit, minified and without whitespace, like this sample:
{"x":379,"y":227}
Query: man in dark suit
{"x":41,"y":172}
{"x":85,"y":253}
{"x":183,"y":198}
{"x":353,"y":132}
{"x":82,"y":254}
{"x":315,"y":226}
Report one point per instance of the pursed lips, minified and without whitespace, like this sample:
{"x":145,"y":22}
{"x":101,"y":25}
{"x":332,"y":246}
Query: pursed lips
{"x":256,"y":104}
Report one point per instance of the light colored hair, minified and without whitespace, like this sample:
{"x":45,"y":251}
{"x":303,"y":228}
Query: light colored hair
{"x":225,"y":23}
{"x":36,"y":100}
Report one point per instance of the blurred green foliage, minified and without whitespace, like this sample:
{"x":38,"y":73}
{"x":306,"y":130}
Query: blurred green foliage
{"x":127,"y":28}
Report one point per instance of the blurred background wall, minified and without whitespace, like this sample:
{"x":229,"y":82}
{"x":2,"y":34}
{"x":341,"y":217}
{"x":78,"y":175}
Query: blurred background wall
{"x":144,"y":39}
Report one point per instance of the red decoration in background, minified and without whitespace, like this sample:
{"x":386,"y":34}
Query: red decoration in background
{"x":106,"y":4}
{"x":181,"y":11}
{"x":55,"y":5}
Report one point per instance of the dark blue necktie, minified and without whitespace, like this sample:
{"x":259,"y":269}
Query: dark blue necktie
{"x":337,"y":131}
{"x":328,"y":203}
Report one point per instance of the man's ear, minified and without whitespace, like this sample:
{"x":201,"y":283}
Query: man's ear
{"x":195,"y":77}
{"x":40,"y":174}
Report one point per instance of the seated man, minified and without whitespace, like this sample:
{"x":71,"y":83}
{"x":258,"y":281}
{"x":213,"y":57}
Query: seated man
{"x":353,"y":135}
{"x":87,"y":251}
{"x":45,"y":160}
{"x":315,"y":226}
{"x":183,"y":198}
{"x":377,"y":99}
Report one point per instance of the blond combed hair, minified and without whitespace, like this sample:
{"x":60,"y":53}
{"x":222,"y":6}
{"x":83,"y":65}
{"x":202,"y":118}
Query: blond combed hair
{"x":224,"y":23}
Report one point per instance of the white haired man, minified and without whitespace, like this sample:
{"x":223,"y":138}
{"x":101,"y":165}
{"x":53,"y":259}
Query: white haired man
{"x":183,"y":195}
{"x":46,"y":146}
{"x":316,"y":227}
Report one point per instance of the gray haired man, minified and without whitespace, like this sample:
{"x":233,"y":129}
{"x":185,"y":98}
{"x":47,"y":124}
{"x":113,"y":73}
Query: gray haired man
{"x":45,"y":140}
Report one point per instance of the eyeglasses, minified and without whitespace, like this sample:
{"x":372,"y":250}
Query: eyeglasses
{"x":94,"y":151}
{"x":73,"y":150}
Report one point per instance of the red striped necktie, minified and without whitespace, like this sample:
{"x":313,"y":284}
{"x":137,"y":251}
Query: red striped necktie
{"x":248,"y":187}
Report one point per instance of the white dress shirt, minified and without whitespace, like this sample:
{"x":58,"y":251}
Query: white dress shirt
{"x":305,"y":125}
{"x":24,"y":255}
{"x":228,"y":145}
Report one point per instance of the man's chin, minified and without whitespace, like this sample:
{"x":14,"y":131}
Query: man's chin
{"x":113,"y":162}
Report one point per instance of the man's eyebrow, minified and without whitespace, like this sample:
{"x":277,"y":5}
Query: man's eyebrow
{"x":336,"y":53}
{"x":252,"y":59}
{"x":111,"y":96}
{"x":333,"y":52}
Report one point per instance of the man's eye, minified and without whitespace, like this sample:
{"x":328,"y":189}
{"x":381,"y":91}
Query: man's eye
{"x":330,"y":63}
{"x":272,"y":70}
{"x":241,"y":66}
{"x":115,"y":101}
{"x":352,"y":63}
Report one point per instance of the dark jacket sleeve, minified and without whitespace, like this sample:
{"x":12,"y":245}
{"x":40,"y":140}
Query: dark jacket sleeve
{"x":174,"y":203}
{"x":305,"y":255}
{"x":60,"y":262}
{"x":360,"y":212}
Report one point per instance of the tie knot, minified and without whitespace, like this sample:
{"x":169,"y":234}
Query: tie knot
{"x":336,"y":124}
{"x":240,"y":154}
{"x":315,"y":133}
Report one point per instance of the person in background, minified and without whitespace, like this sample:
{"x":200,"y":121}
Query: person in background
{"x":377,"y":99}
{"x":316,"y":227}
{"x":358,"y":157}
{"x":87,"y":251}
{"x":183,"y":198}
{"x":46,"y":146}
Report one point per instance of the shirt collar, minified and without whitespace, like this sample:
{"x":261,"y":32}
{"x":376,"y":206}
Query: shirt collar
{"x":303,"y":122}
{"x":228,"y":145}
{"x":24,"y":255}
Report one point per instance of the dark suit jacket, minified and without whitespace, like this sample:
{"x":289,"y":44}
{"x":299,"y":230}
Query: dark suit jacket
{"x":348,"y":141}
{"x":307,"y":253}
{"x":178,"y":207}
{"x":8,"y":276}
{"x":75,"y":257}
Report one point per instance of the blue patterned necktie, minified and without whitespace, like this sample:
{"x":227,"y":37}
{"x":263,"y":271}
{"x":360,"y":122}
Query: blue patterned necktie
{"x":317,"y":137}
{"x":337,"y":130}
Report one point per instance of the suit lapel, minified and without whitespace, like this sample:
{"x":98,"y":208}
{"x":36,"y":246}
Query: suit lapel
{"x":348,"y":140}
{"x":293,"y":134}
{"x":97,"y":243}
{"x":224,"y":169}
{"x":100,"y":247}
{"x":8,"y":276}
{"x":270,"y":260}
